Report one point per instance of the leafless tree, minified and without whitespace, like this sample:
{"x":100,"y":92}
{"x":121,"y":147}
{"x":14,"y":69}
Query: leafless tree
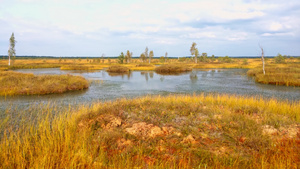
{"x":262,"y":59}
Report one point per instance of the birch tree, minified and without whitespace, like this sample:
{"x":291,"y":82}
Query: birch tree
{"x":151,"y":54}
{"x":11,"y":49}
{"x":196,"y":54}
{"x":146,"y":53}
{"x":193,"y":50}
{"x":128,"y":56}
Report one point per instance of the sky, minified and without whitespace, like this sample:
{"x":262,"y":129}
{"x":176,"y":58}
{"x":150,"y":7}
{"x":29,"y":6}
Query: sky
{"x":109,"y":27}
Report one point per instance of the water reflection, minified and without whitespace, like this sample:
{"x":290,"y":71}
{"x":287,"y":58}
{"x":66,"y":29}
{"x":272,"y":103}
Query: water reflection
{"x":128,"y":75}
{"x":110,"y":86}
{"x":172,"y":73}
{"x":147,"y":75}
{"x":193,"y":77}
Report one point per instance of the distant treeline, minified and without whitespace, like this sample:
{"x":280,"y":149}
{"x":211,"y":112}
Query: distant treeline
{"x":115,"y":57}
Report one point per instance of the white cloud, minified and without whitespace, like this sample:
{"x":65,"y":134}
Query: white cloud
{"x":275,"y":26}
{"x":143,"y":22}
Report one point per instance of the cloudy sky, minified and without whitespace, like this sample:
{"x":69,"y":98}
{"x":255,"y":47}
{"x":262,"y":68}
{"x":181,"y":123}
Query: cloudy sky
{"x":94,"y":27}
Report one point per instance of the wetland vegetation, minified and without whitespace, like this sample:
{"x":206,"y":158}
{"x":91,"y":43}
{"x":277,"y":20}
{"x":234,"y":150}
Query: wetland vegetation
{"x":210,"y":131}
{"x":15,"y":83}
{"x":173,"y":131}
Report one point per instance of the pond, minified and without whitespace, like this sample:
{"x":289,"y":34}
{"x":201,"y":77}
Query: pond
{"x":104,"y":86}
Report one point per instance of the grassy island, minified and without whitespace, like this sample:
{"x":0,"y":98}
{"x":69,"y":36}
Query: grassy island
{"x":173,"y":68}
{"x":288,"y":76}
{"x":14,"y":83}
{"x":118,"y":69}
{"x":200,"y":131}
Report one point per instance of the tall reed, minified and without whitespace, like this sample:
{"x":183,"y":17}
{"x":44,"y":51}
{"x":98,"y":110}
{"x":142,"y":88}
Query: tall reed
{"x":183,"y":131}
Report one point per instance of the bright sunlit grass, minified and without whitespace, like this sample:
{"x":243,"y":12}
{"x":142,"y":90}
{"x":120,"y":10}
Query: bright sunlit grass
{"x":206,"y":131}
{"x":14,"y":83}
{"x":277,"y":75}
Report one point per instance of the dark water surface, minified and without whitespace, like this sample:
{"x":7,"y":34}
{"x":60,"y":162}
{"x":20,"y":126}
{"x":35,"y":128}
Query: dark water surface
{"x":109,"y":87}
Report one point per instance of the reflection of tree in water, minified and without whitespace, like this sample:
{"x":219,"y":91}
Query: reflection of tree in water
{"x":121,"y":74}
{"x":151,"y":74}
{"x":213,"y":73}
{"x":193,"y":77}
{"x":162,"y":78}
{"x":103,"y":73}
{"x":204,"y":74}
{"x":147,"y":74}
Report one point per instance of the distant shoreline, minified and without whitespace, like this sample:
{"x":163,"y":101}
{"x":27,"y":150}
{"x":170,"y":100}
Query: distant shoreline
{"x":134,"y":57}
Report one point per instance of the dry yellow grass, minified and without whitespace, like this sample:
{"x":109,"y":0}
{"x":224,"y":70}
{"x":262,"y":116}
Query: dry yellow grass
{"x":118,"y":69}
{"x":172,"y":68}
{"x":96,"y":63}
{"x":14,"y":83}
{"x":200,"y":131}
{"x":83,"y":67}
{"x":287,"y":73}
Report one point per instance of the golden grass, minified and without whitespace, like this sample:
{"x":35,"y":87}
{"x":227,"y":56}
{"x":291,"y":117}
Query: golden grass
{"x":136,"y":64}
{"x":141,"y":66}
{"x":172,"y":68}
{"x":14,"y":83}
{"x":277,"y":75}
{"x":83,"y":67}
{"x":118,"y":69}
{"x":199,"y":131}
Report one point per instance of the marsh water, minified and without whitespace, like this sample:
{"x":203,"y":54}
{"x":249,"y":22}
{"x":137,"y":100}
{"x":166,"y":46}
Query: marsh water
{"x":104,"y":86}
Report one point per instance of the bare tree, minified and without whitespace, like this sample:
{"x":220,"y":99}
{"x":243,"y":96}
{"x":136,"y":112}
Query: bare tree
{"x":262,"y":58}
{"x":128,"y":56}
{"x":151,"y":54}
{"x":166,"y":57}
{"x":146,"y":53}
{"x":102,"y":57}
{"x":196,"y":54}
{"x":193,"y":50}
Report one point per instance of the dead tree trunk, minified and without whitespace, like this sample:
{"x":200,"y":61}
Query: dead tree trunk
{"x":263,"y":59}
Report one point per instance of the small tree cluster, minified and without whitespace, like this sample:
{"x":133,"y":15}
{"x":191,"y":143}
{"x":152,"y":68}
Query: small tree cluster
{"x":225,"y":59}
{"x":128,"y":56}
{"x":144,"y":56}
{"x":203,"y":57}
{"x":121,"y":58}
{"x":279,"y":58}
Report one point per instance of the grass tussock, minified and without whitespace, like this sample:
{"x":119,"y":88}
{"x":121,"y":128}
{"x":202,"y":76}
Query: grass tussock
{"x":201,"y":131}
{"x":288,"y":76}
{"x":83,"y":67}
{"x":172,"y":68}
{"x":14,"y":83}
{"x":144,"y":65}
{"x":118,"y":69}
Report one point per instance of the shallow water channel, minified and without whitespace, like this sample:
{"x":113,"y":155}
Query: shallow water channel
{"x":104,"y":86}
